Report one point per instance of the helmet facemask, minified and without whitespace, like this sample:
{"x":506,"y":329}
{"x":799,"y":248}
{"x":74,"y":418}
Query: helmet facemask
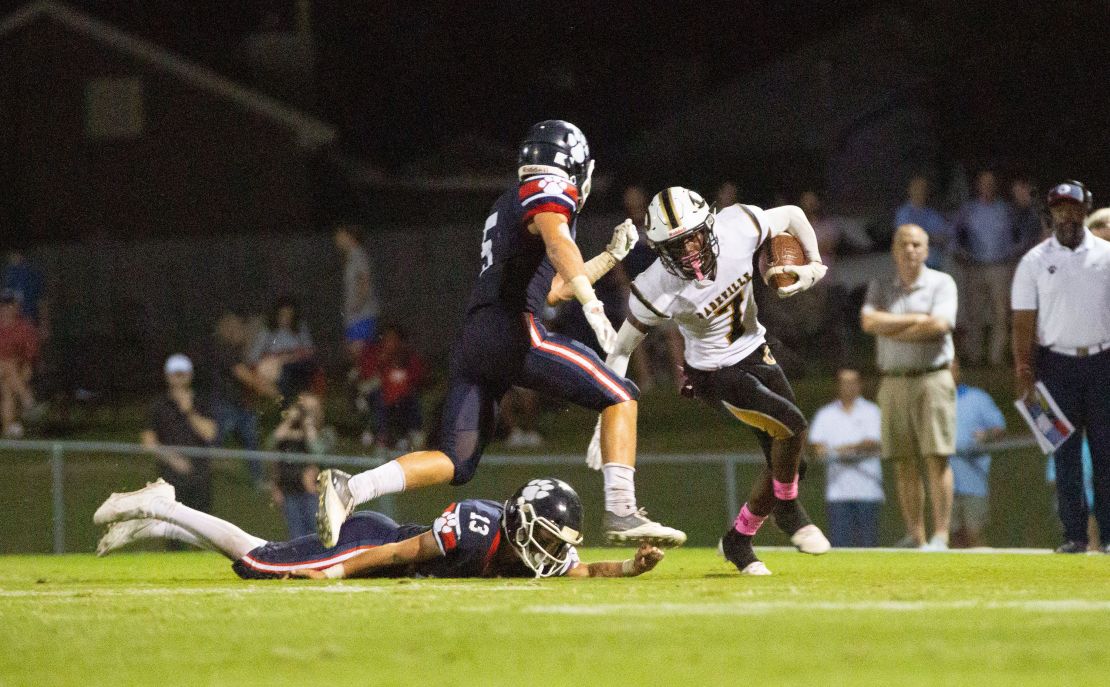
{"x":692,"y":255}
{"x":542,"y":545}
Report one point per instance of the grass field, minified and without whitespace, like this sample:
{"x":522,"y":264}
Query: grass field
{"x":847,"y":618}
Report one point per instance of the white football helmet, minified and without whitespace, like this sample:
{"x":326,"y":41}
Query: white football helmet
{"x":680,"y":230}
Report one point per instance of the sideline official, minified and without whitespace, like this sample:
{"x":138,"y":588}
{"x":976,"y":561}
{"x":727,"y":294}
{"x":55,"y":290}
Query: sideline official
{"x":1061,"y":301}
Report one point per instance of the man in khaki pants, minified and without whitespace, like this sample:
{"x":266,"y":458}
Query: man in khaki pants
{"x":911,"y":316}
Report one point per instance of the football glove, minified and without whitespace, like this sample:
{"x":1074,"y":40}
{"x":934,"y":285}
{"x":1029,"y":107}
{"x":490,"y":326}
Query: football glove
{"x":808,"y":275}
{"x":599,"y":322}
{"x":624,"y":238}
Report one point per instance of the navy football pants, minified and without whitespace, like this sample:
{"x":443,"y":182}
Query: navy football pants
{"x":496,"y":352}
{"x":364,"y":530}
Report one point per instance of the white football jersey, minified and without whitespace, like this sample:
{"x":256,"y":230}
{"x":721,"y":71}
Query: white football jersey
{"x":718,"y":322}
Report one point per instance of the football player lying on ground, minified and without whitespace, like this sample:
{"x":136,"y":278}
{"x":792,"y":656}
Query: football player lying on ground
{"x":534,"y":533}
{"x":528,"y":261}
{"x":702,"y":281}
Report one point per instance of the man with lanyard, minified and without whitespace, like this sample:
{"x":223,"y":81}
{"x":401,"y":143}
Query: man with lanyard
{"x":1061,"y":302}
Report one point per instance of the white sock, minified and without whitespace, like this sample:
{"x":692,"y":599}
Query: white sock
{"x":157,"y":529}
{"x":220,"y":534}
{"x":381,"y":481}
{"x":620,"y":488}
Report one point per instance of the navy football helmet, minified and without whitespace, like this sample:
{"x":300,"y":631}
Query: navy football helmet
{"x":557,"y":147}
{"x":542,"y":521}
{"x":1070,"y":190}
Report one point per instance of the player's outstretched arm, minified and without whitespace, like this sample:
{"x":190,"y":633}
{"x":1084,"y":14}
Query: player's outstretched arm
{"x":646,"y":558}
{"x":422,"y":547}
{"x":567,"y":260}
{"x":624,"y":238}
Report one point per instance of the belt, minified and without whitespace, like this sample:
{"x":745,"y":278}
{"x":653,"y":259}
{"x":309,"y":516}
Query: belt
{"x":916,"y":372}
{"x":1082,"y":351}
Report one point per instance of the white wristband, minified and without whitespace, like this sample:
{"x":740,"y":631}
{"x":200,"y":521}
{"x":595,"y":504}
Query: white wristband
{"x":335,"y":572}
{"x":583,"y":290}
{"x":628,"y":567}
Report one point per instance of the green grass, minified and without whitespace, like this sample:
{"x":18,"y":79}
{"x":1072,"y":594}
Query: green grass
{"x":846,"y":618}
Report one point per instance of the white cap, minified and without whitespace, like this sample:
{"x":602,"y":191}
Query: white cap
{"x":178,"y":362}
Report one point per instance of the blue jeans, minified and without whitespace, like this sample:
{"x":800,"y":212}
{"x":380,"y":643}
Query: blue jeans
{"x":300,"y":513}
{"x":854,"y":523}
{"x":242,"y":423}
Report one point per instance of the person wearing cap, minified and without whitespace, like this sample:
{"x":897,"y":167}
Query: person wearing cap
{"x":19,"y":347}
{"x":181,"y":418}
{"x":911,"y":316}
{"x":1061,"y":337}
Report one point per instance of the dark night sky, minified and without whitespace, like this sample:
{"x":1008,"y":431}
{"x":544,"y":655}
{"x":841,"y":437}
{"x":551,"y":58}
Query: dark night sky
{"x":400,"y":79}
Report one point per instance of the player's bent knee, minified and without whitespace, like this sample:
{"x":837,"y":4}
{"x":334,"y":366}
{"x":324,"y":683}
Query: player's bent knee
{"x":464,"y":470}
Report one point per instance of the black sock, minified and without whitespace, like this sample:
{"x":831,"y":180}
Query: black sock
{"x":738,"y":548}
{"x":790,"y":516}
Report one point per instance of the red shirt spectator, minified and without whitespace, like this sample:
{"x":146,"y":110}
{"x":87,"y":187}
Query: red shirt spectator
{"x":399,"y":370}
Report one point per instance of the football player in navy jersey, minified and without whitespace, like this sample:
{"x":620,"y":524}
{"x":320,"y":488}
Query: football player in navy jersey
{"x":528,"y":260}
{"x":533,"y":534}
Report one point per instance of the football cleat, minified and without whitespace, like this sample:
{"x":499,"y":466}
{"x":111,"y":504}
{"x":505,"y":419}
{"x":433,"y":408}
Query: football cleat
{"x":737,"y":549}
{"x":1072,"y":547}
{"x":336,"y":505}
{"x":638,"y":528}
{"x":810,"y":539}
{"x":122,"y":533}
{"x":131,"y":505}
{"x":755,"y":568}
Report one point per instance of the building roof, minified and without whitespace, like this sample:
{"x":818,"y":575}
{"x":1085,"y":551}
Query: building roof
{"x":311,"y":132}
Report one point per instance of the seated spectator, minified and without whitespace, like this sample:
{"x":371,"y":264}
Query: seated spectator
{"x":845,"y":435}
{"x":916,"y":210}
{"x":19,"y":348}
{"x":231,"y":384}
{"x":182,"y":418}
{"x":282,"y":354}
{"x":391,"y":375}
{"x":301,"y":430}
{"x":978,"y":420}
{"x":1099,"y":223}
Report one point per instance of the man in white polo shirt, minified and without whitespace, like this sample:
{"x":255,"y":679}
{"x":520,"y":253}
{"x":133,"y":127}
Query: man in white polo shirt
{"x":1061,"y":302}
{"x":911,"y":315}
{"x":845,"y":435}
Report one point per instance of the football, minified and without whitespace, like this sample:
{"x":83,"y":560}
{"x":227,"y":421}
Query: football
{"x":783,"y":249}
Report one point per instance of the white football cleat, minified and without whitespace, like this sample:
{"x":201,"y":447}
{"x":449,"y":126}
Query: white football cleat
{"x":810,"y":539}
{"x":640,"y":529}
{"x":122,"y":533}
{"x":132,"y":505}
{"x":336,"y":505}
{"x":755,"y":568}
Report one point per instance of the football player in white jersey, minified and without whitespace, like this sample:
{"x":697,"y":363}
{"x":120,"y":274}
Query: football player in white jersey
{"x":702,"y":281}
